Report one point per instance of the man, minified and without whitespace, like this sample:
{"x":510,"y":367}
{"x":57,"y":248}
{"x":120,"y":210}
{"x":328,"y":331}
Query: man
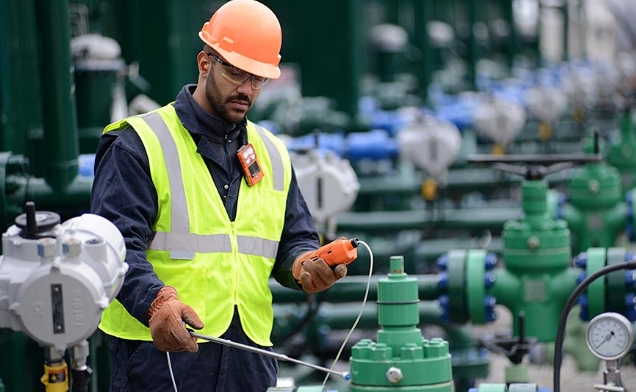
{"x":205,"y":225}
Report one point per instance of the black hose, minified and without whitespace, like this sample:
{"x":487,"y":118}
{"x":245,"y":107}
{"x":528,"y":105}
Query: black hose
{"x":313,"y":305}
{"x":80,"y":379}
{"x":569,"y":304}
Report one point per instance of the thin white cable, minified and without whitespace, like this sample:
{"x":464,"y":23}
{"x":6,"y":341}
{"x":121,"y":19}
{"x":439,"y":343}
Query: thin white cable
{"x":174,"y":383}
{"x":355,"y":323}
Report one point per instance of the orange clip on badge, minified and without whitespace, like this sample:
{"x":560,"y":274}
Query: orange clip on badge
{"x":249,"y":163}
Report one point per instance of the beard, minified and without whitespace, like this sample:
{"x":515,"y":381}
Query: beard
{"x":219,"y":105}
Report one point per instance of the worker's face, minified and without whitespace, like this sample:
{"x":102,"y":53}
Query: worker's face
{"x":227,"y":100}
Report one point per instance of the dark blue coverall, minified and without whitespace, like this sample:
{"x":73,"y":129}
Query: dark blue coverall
{"x":123,"y":192}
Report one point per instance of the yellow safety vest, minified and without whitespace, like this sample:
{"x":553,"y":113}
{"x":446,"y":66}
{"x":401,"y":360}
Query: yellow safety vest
{"x":214,"y":263}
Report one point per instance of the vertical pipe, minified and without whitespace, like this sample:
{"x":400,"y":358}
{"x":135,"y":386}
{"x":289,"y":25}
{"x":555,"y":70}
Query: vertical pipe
{"x":512,"y":44}
{"x":423,"y":15}
{"x":355,"y":36}
{"x":473,"y":49}
{"x":20,"y":117}
{"x":566,"y":30}
{"x":537,"y":42}
{"x":58,"y":97}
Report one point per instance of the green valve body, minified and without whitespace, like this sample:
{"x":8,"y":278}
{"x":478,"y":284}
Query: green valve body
{"x":595,"y":212}
{"x":536,"y":242}
{"x":537,"y":279}
{"x":622,"y":153}
{"x":402,"y":359}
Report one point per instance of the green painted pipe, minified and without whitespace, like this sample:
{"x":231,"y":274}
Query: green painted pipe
{"x":424,"y":13}
{"x":432,"y":249}
{"x":21,"y":362}
{"x":513,"y":38}
{"x":341,"y":316}
{"x":20,"y":117}
{"x":61,"y":189}
{"x":61,"y":145}
{"x":622,"y":153}
{"x":70,"y":201}
{"x":352,"y":288}
{"x":461,"y":178}
{"x":17,"y":187}
{"x":388,"y":221}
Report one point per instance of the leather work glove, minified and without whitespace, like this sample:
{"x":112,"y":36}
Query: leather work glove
{"x":316,"y":275}
{"x":167,"y":317}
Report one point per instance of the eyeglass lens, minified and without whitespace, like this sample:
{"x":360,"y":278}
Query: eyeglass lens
{"x":238,"y":76}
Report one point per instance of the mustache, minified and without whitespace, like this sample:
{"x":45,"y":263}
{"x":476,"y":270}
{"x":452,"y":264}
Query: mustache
{"x":240,"y":97}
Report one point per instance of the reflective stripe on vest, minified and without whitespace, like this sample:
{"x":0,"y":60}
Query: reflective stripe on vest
{"x":181,"y":243}
{"x":214,"y":263}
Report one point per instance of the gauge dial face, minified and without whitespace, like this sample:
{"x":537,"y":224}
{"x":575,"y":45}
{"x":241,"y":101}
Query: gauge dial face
{"x":609,"y":336}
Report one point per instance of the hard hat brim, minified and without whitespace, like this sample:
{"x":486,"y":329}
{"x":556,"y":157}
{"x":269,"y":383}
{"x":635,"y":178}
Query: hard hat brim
{"x":252,"y":66}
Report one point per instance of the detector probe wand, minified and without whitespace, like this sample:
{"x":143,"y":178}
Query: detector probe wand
{"x":282,"y":357}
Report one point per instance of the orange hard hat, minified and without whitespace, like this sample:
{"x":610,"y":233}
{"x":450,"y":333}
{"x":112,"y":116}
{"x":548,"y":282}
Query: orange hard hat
{"x":248,"y":35}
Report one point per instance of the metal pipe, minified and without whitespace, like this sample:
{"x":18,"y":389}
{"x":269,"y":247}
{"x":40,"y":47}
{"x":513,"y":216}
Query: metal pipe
{"x":61,"y":145}
{"x":72,"y":200}
{"x":390,"y":221}
{"x":355,"y":34}
{"x":512,"y":43}
{"x":352,"y":288}
{"x":424,"y":13}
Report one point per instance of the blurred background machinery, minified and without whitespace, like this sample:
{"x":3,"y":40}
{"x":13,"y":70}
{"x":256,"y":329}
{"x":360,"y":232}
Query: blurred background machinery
{"x":491,"y":144}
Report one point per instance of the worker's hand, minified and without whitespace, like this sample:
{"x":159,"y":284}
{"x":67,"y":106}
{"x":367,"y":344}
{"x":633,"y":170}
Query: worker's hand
{"x":317,"y":275}
{"x":167,"y":319}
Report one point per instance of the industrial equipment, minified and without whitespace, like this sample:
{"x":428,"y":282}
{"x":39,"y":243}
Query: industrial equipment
{"x":432,"y":145}
{"x":537,"y":276}
{"x":547,"y":104}
{"x":328,"y":183}
{"x":55,"y":281}
{"x":610,"y":337}
{"x":621,"y":152}
{"x":401,"y":359}
{"x":500,"y":121}
{"x":595,"y":206}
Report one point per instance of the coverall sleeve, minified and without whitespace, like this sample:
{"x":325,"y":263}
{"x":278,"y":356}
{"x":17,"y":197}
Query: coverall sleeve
{"x":123,"y":193}
{"x":299,"y":236}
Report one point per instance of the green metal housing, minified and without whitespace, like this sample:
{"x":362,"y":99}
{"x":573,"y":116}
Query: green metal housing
{"x":537,"y":274}
{"x":596,"y":211}
{"x":622,"y":151}
{"x":401,"y":359}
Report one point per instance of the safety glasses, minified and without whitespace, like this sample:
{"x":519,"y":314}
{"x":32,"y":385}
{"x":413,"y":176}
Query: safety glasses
{"x":238,"y":76}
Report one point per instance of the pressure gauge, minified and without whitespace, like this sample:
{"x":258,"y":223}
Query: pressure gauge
{"x":609,"y":336}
